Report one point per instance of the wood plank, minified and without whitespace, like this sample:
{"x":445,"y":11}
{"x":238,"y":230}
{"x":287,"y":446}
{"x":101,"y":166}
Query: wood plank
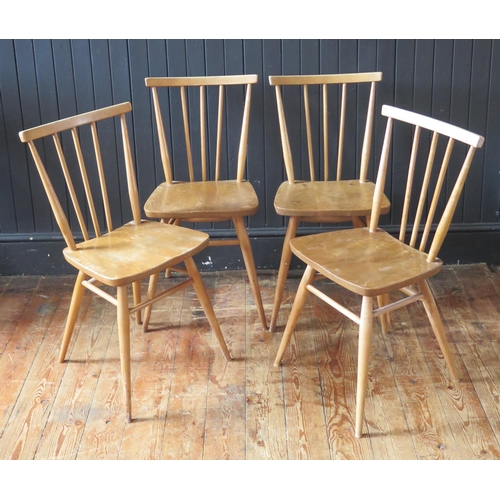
{"x":337,"y":359}
{"x":225,"y":417}
{"x":305,"y":419}
{"x":38,"y":393}
{"x":184,"y":434}
{"x":265,"y":412}
{"x":66,"y":423}
{"x":17,"y":294}
{"x":155,"y":352}
{"x":427,"y":424}
{"x":461,"y":406}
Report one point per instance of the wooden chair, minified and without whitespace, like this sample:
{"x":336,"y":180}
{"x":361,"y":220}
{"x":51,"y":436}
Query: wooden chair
{"x":207,"y":200}
{"x":370,"y":262}
{"x":122,"y":255}
{"x":324,"y":200}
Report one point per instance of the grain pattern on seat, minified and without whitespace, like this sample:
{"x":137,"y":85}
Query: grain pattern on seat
{"x":370,"y":262}
{"x":133,"y":252}
{"x":365,"y":263}
{"x":111,"y":254}
{"x":327,"y":196}
{"x":327,"y":200}
{"x":202,"y":137}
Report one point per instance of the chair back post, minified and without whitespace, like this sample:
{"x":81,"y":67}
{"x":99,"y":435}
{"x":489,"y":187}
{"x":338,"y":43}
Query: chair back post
{"x":307,"y":114}
{"x":102,"y":178}
{"x":381,"y":175}
{"x":285,"y":144}
{"x":57,"y":209}
{"x":367,"y":139}
{"x":131,"y":177}
{"x":242,"y":150}
{"x":85,"y":179}
{"x":325,"y":132}
{"x":164,"y":153}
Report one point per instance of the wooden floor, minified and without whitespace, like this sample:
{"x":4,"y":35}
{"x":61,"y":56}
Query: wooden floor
{"x":188,"y":403}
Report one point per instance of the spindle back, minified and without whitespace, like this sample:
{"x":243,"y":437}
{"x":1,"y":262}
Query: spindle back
{"x":74,"y":160}
{"x":205,"y":113}
{"x":347,"y":84}
{"x":430,"y":191}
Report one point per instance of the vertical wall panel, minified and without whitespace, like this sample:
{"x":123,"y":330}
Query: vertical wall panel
{"x":490,"y":204}
{"x":481,"y":60}
{"x":255,"y":165}
{"x":16,"y":157}
{"x":273,"y":155}
{"x":157,"y":67}
{"x":460,"y":101}
{"x":121,"y":89}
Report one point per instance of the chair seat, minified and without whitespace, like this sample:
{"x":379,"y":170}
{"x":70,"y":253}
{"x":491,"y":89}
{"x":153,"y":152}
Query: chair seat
{"x":366,"y":263}
{"x":208,"y":200}
{"x":326,"y":200}
{"x":133,"y":252}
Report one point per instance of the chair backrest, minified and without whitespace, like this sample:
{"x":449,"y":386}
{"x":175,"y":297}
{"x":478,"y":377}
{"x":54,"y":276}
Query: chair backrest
{"x":431,"y":194}
{"x":203,"y":102}
{"x":338,"y":92}
{"x":68,"y":135}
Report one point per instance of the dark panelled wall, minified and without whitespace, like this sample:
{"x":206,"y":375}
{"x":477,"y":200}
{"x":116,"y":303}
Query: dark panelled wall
{"x":44,"y":80}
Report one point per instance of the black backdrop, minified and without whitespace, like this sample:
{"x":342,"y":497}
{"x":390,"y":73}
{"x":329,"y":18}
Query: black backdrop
{"x":43,"y":80}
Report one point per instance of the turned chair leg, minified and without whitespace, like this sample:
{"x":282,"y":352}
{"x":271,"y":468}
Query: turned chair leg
{"x":298,"y":304}
{"x":153,"y":282}
{"x":74,"y":308}
{"x":123,"y":321}
{"x":174,"y":222}
{"x":201,"y":292}
{"x":246,"y":250}
{"x":286,"y":257}
{"x":437,"y":326}
{"x":136,"y":290}
{"x":385,"y":319}
{"x":365,"y":335}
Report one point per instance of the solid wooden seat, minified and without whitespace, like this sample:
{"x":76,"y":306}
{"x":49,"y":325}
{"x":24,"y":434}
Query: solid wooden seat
{"x":118,"y":256}
{"x":367,"y":263}
{"x":325,"y":201}
{"x":134,"y":252}
{"x":372,"y":263}
{"x":202,"y":200}
{"x":205,"y":200}
{"x":319,"y":199}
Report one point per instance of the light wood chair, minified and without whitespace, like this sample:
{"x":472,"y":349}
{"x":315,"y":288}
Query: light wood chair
{"x":315,"y":199}
{"x":117,"y":256}
{"x":207,"y":200}
{"x":370,"y":262}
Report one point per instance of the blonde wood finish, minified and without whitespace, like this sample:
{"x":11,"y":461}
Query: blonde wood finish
{"x":190,"y":404}
{"x":324,"y":200}
{"x":371,"y":263}
{"x":206,"y":200}
{"x":122,"y":256}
